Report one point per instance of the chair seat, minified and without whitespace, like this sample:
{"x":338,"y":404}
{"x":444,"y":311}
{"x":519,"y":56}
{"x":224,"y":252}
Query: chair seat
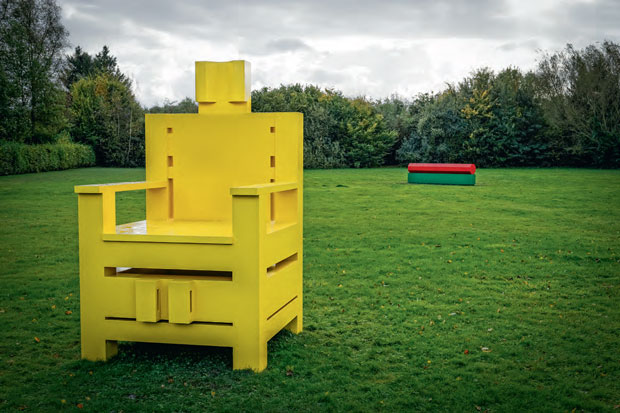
{"x":175,"y":231}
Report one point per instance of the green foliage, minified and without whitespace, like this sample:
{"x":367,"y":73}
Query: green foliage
{"x":77,"y":66}
{"x":399,"y":281}
{"x":105,"y":62}
{"x":19,"y":158}
{"x":32,"y":38}
{"x":439,"y":127}
{"x":338,"y":131}
{"x":187,"y":105}
{"x":81,"y":64}
{"x":488,"y":119}
{"x":565,"y":113}
{"x":398,"y":117}
{"x":359,"y":129}
{"x":580,"y":94}
{"x":106,"y":116}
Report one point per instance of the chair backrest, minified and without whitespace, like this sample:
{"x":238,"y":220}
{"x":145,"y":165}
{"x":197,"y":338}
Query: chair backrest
{"x":225,"y":145}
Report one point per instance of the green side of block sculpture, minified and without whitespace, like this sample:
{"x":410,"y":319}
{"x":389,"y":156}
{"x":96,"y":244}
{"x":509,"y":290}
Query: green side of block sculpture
{"x":442,"y":179}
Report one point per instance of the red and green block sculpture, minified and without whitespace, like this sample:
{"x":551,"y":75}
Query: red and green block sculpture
{"x":442,"y":173}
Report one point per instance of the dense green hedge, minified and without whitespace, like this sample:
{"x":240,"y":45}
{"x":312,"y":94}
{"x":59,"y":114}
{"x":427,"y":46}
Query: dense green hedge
{"x":19,"y":158}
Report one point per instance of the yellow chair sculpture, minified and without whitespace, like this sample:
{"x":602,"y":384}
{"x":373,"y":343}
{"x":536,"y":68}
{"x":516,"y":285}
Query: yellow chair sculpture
{"x":218,"y":260}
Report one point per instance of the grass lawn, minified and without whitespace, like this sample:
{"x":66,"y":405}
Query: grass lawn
{"x":501,"y":297}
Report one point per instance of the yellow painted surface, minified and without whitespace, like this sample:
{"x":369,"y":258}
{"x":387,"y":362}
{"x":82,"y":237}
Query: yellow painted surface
{"x":218,"y":260}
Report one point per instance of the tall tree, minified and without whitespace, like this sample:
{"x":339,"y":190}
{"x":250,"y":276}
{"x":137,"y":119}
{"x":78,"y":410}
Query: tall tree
{"x":32,"y":38}
{"x":105,"y":62}
{"x":106,"y":116}
{"x":580,"y":92}
{"x":81,"y":64}
{"x":78,"y":65}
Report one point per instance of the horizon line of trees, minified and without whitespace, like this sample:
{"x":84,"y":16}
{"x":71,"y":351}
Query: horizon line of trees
{"x":566,"y":112}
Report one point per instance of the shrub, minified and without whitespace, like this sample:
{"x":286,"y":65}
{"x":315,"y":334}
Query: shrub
{"x":106,"y":116}
{"x":19,"y":158}
{"x":580,"y":95}
{"x":338,"y":131}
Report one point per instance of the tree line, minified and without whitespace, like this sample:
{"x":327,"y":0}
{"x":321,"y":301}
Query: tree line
{"x":565,"y":112}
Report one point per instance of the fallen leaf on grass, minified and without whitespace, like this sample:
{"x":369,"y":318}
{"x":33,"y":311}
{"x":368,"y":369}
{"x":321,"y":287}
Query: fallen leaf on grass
{"x":68,"y":312}
{"x":212,"y":393}
{"x":37,"y":339}
{"x":466,"y":352}
{"x":79,"y":406}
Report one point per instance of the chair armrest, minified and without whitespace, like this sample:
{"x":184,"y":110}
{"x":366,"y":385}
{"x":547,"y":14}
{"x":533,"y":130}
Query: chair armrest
{"x":119,"y":187}
{"x":260,"y":189}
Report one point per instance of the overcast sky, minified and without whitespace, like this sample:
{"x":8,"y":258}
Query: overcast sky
{"x":363,"y":47}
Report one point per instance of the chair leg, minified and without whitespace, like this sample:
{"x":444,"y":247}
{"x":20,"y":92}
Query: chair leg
{"x":250,"y":355}
{"x":97,"y":349}
{"x":295,"y":326}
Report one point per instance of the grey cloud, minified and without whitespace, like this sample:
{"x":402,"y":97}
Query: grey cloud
{"x":287,"y":45}
{"x":600,"y":20}
{"x":511,"y":46}
{"x":285,"y":19}
{"x":326,"y":77}
{"x":159,"y":40}
{"x":254,"y":47}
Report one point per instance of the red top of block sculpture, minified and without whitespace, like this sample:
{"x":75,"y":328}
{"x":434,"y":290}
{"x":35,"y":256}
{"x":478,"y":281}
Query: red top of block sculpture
{"x":443,"y":168}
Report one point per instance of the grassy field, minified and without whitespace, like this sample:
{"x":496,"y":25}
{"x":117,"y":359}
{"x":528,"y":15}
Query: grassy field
{"x":500,"y":297}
